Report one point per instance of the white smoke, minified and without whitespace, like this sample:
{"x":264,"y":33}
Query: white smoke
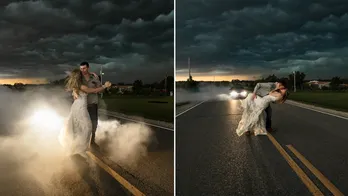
{"x":34,"y":155}
{"x":205,"y":93}
{"x":124,"y":143}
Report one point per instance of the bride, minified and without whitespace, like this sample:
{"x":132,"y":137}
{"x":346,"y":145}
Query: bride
{"x":253,"y":118}
{"x":76,"y":133}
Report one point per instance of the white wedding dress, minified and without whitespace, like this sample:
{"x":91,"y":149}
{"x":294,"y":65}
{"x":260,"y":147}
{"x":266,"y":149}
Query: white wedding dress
{"x":254,"y":116}
{"x":76,"y":133}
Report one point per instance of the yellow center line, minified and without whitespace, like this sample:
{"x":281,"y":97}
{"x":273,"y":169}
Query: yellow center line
{"x":334,"y":190}
{"x":300,"y":173}
{"x":115,"y":175}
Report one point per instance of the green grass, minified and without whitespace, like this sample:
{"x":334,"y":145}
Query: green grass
{"x":326,"y":99}
{"x":142,"y":106}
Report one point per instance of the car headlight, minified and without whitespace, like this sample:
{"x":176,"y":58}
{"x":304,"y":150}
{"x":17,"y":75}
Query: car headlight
{"x":234,"y":93}
{"x":244,"y":93}
{"x":46,"y":117}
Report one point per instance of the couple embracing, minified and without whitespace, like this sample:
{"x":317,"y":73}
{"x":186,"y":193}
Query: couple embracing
{"x":257,"y":114}
{"x":79,"y":130}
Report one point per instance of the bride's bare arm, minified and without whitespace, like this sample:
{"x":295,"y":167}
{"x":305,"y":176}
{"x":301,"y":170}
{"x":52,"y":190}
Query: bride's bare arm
{"x":74,"y":94}
{"x":92,"y":90}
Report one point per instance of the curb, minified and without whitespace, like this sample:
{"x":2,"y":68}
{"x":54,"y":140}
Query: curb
{"x":182,"y":103}
{"x":328,"y":111}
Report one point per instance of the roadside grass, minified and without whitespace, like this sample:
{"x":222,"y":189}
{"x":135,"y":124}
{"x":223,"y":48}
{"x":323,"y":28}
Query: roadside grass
{"x":156,"y":108}
{"x":326,"y":99}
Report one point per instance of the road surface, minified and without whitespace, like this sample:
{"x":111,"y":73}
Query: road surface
{"x":212,"y":160}
{"x":81,"y":179}
{"x":154,"y":175}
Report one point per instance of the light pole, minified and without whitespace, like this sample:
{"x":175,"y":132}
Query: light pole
{"x":165,"y":84}
{"x":294,"y":81}
{"x":101,"y":78}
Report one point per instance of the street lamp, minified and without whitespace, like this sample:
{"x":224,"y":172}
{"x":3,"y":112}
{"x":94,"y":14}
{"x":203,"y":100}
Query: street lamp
{"x":165,"y":84}
{"x":294,"y":81}
{"x":101,"y":78}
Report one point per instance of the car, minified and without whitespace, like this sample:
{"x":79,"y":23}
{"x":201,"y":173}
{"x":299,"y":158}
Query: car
{"x":238,"y":92}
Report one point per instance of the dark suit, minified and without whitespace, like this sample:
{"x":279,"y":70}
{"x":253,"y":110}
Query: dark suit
{"x":263,"y":89}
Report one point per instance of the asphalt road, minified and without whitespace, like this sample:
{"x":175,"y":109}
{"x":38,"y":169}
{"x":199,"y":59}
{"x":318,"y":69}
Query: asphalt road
{"x":212,"y":160}
{"x":153,"y":175}
{"x":81,"y":179}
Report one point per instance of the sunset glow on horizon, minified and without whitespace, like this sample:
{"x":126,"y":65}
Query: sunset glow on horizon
{"x":216,"y":78}
{"x":23,"y":80}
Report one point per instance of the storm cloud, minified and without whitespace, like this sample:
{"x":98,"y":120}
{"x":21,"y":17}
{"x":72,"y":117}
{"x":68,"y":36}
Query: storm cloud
{"x":256,"y":37}
{"x":44,"y":39}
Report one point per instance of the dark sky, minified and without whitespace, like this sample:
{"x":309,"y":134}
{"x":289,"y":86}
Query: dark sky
{"x":133,"y":39}
{"x":257,"y":37}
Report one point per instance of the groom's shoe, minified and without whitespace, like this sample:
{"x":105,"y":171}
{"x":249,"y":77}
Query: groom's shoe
{"x":94,"y":145}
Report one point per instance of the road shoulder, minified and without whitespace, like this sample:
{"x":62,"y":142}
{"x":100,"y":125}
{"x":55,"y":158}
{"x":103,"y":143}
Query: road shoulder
{"x":158,"y":123}
{"x":318,"y":109}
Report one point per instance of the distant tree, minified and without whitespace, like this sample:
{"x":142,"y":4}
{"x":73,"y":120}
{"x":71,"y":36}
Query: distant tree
{"x":59,"y":82}
{"x":167,"y":84}
{"x":137,"y":86}
{"x":19,"y":86}
{"x":325,"y":88}
{"x":300,"y":77}
{"x":335,"y":83}
{"x":170,"y":84}
{"x":235,"y":81}
{"x":192,"y":84}
{"x":271,"y":78}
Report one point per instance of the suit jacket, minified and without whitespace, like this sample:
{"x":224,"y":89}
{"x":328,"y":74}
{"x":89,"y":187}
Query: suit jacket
{"x":262,"y":89}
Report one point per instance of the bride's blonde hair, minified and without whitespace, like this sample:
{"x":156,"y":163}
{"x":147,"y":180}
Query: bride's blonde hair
{"x":74,"y":81}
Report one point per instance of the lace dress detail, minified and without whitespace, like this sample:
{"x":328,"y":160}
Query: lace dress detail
{"x":76,"y":134}
{"x":254,"y":116}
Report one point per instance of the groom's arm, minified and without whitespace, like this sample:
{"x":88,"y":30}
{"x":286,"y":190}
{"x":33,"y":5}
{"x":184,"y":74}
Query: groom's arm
{"x":97,"y":82}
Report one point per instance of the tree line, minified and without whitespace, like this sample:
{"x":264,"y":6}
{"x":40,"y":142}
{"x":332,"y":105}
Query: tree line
{"x":297,"y":79}
{"x":163,"y":87}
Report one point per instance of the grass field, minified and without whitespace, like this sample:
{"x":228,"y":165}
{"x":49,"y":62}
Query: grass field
{"x":331,"y":100}
{"x":156,"y":108}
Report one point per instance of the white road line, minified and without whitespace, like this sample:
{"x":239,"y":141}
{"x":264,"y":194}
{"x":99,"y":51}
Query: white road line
{"x":190,"y":108}
{"x":137,"y":121}
{"x":344,"y":118}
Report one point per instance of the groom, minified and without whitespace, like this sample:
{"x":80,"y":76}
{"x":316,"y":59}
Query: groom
{"x":92,"y":81}
{"x":262,"y":89}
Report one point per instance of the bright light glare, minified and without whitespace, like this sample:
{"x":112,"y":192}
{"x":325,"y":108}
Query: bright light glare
{"x":46,"y":117}
{"x":234,"y":94}
{"x":244,"y":93}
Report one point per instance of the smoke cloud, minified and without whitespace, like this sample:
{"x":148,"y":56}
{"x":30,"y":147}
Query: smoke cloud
{"x":205,"y":93}
{"x":32,"y":160}
{"x":125,"y":144}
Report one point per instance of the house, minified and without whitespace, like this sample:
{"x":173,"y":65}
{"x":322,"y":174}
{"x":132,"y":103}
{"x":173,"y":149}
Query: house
{"x":123,"y":88}
{"x":344,"y":86}
{"x":319,"y":84}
